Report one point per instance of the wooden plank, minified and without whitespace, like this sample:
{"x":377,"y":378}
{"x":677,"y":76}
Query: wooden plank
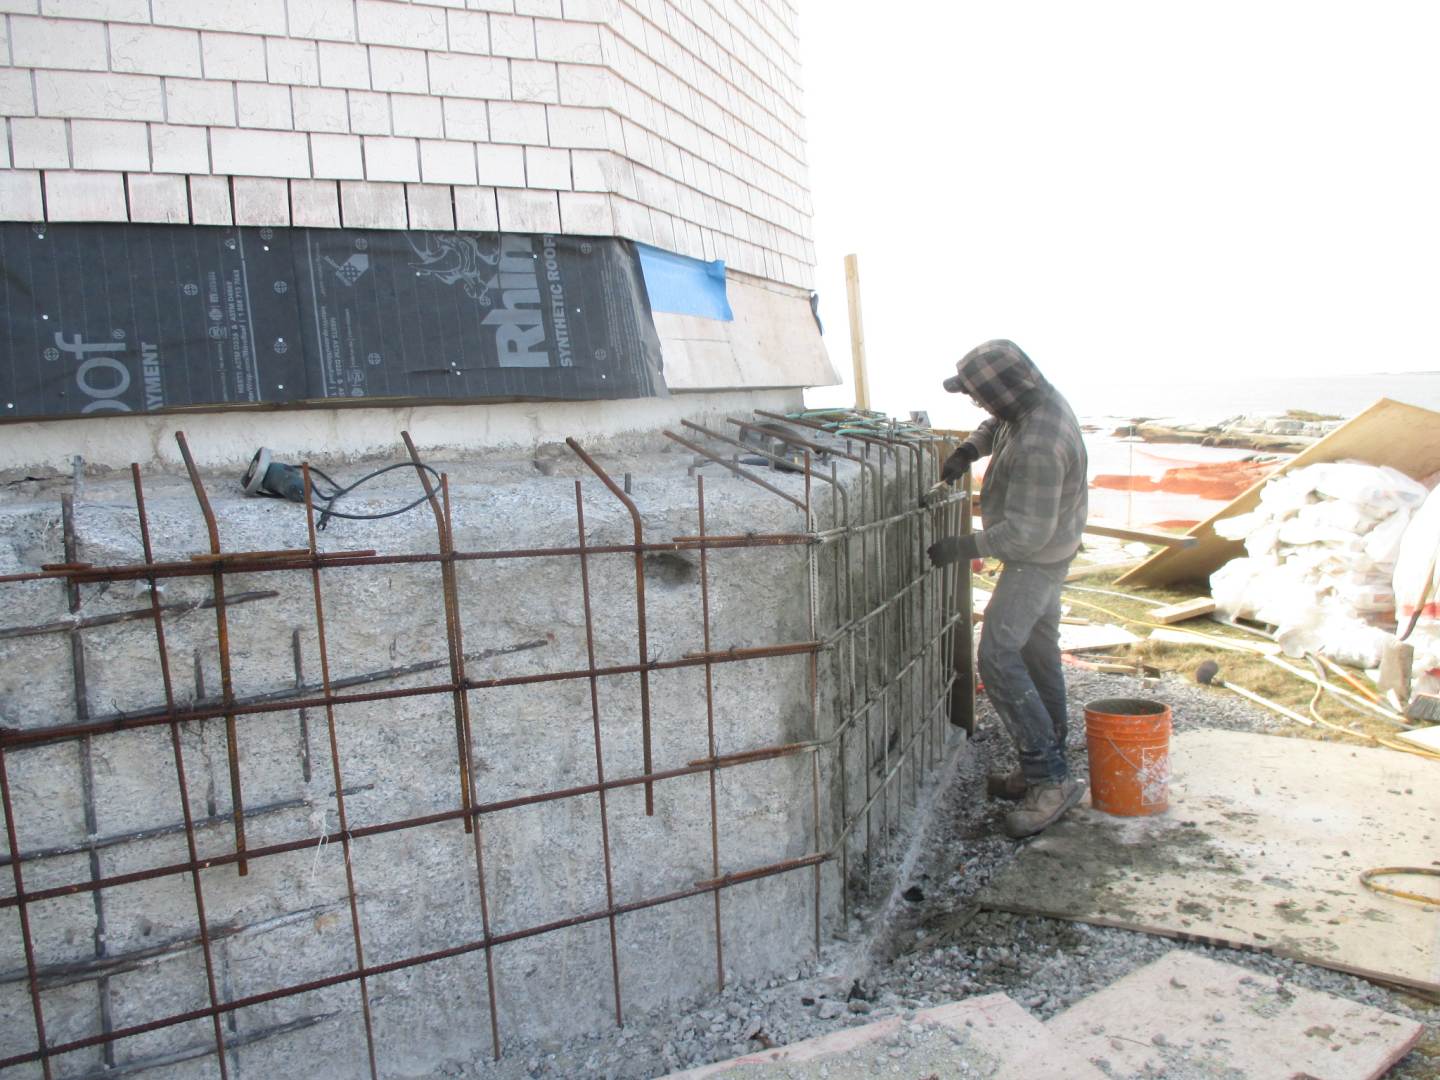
{"x":1120,"y":532}
{"x":1405,"y":437}
{"x":1262,"y":848}
{"x":1145,"y":536}
{"x":857,"y":331}
{"x":1181,"y":636}
{"x":1186,"y":609}
{"x":1187,"y":1015}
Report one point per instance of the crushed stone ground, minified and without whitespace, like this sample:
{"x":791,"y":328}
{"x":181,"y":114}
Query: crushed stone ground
{"x":942,"y":947}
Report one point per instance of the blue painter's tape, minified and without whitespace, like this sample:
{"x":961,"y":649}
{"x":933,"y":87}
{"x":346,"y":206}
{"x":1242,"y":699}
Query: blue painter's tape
{"x":684,"y":286}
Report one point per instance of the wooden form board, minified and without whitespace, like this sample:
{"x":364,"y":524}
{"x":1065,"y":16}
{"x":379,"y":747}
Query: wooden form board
{"x":1405,"y":437}
{"x":1188,"y":1015}
{"x":1186,"y":609}
{"x":1262,"y":847}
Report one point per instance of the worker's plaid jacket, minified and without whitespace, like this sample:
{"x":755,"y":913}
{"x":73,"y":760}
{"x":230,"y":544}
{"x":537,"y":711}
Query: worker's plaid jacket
{"x":1035,"y":496}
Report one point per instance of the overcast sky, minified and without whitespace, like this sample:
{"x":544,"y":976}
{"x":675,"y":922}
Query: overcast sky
{"x":1130,"y":190}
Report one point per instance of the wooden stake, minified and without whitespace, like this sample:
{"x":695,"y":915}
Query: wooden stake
{"x":857,"y":332}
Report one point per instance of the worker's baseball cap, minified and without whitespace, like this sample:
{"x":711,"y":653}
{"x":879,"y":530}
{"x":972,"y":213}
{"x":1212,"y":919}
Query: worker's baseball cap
{"x":954,"y":384}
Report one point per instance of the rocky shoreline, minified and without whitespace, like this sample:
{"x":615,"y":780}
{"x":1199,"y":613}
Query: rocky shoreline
{"x":1290,"y":433}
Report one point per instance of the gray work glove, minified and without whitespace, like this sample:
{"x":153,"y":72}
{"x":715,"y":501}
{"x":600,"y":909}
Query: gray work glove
{"x":958,"y":463}
{"x":953,"y":549}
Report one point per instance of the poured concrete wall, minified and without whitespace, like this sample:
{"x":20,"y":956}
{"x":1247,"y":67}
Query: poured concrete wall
{"x":288,"y":920}
{"x":228,"y":438}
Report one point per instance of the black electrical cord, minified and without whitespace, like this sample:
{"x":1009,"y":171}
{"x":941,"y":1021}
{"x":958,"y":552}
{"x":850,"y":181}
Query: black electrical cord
{"x":337,"y":492}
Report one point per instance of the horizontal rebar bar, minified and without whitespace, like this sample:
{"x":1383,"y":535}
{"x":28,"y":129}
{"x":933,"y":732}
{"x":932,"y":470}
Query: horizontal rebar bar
{"x":18,"y":739}
{"x":56,"y":975}
{"x":87,"y":574}
{"x":176,"y":1057}
{"x":87,"y":622}
{"x":373,"y":970}
{"x":360,"y":832}
{"x":99,"y":843}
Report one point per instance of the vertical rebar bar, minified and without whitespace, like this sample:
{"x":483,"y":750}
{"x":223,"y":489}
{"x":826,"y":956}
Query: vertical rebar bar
{"x":222,"y":639}
{"x":599,"y":754}
{"x":640,"y":631}
{"x":711,"y":748}
{"x":811,"y":588}
{"x":191,"y":846}
{"x":22,"y":908}
{"x":297,"y":661}
{"x":455,"y":646}
{"x":477,"y":833}
{"x":459,"y":700}
{"x":962,"y":702}
{"x":87,"y":765}
{"x":342,"y":817}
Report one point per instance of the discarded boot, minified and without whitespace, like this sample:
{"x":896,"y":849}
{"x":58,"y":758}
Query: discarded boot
{"x":1042,"y":806}
{"x":1010,"y":785}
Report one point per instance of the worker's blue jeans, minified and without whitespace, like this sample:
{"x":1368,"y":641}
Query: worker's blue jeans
{"x":1020,"y":663}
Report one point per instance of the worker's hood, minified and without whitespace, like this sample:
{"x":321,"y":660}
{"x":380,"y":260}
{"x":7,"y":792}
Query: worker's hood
{"x":1000,"y":377}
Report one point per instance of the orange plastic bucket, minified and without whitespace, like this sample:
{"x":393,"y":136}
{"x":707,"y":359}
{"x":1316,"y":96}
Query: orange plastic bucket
{"x":1128,"y":742}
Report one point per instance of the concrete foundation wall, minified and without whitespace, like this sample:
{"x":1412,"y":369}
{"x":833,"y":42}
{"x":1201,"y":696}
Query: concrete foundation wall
{"x":289,"y":921}
{"x":347,"y":434}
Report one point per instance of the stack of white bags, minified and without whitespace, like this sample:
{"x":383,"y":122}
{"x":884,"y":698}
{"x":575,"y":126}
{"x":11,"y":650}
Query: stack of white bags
{"x":1335,"y":553}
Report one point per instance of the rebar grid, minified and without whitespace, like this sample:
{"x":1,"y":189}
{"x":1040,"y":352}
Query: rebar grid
{"x":885,"y":682}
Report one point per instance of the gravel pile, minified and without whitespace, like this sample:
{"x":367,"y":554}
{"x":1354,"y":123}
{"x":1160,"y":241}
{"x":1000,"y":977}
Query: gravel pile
{"x":935,"y":945}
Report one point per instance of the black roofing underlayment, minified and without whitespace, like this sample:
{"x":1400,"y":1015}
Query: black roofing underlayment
{"x":100,"y":319}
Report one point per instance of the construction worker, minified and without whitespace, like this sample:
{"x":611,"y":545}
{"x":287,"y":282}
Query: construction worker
{"x":1033,"y":506}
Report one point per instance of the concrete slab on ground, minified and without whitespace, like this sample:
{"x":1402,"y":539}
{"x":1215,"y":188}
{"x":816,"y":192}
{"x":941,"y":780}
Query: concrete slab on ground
{"x":1186,"y":1015}
{"x":1263,"y":847}
{"x":972,"y":1038}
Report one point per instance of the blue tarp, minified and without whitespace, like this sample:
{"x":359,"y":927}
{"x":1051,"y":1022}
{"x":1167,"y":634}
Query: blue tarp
{"x":684,"y":286}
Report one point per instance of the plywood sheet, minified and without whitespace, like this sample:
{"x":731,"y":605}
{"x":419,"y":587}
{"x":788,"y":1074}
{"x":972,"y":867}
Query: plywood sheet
{"x":1075,"y":639}
{"x":1187,"y":1015}
{"x":1262,"y":847}
{"x":983,"y":1033}
{"x":1405,"y":437}
{"x":772,"y":341}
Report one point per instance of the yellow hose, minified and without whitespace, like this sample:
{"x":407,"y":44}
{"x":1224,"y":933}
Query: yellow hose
{"x":1380,"y":740}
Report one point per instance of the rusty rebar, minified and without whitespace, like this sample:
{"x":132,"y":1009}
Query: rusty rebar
{"x":167,"y":684}
{"x":487,"y":943}
{"x":339,"y":781}
{"x":81,"y":697}
{"x":222,"y":640}
{"x":127,"y":722}
{"x":65,"y":626}
{"x":710,"y":741}
{"x":599,"y":754}
{"x":26,"y":940}
{"x":745,"y":474}
{"x":448,"y":592}
{"x":640,"y":632}
{"x":902,"y":588}
{"x":89,"y":573}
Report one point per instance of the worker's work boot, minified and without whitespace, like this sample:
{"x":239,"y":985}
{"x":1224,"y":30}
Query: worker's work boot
{"x":1042,"y":806}
{"x":1010,"y":785}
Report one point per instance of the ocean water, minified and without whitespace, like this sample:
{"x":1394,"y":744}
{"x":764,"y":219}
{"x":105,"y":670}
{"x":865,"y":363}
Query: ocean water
{"x":1214,"y":399}
{"x":1207,"y":400}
